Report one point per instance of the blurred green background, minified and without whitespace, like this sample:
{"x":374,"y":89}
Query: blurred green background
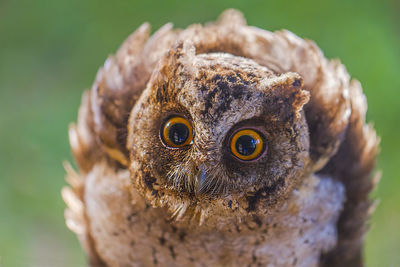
{"x":50,"y":51}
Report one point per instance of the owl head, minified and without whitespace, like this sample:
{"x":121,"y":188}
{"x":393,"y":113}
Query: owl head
{"x":210,"y":118}
{"x":217,"y":130}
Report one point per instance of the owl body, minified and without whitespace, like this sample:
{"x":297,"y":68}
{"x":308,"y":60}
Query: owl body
{"x":222,"y":145}
{"x":133,"y":234}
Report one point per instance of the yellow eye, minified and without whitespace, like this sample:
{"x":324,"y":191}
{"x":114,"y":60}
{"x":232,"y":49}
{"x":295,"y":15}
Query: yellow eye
{"x":177,"y":132}
{"x":247,"y":144}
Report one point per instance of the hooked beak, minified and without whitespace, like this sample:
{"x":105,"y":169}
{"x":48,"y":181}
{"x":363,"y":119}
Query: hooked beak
{"x":201,"y":180}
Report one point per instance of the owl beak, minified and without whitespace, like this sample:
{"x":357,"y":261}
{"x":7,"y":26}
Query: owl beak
{"x":201,"y":180}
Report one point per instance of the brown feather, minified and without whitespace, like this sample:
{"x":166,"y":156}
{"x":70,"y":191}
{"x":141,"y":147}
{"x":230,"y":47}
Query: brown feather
{"x":311,"y":102}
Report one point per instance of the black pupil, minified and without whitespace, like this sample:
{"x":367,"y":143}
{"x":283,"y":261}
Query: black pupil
{"x":178,"y":133}
{"x":245,"y":145}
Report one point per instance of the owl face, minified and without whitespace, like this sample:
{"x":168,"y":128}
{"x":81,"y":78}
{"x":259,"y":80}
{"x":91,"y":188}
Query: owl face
{"x":215,"y":125}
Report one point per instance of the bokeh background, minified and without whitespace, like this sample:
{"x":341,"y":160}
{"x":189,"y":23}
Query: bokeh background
{"x":50,"y":51}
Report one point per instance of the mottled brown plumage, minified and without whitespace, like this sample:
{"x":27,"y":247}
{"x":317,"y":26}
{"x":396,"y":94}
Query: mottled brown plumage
{"x":302,"y":202}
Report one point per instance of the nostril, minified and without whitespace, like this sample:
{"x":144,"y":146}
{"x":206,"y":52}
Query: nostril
{"x":196,"y":169}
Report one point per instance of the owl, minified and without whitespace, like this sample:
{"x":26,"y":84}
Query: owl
{"x":221,"y":145}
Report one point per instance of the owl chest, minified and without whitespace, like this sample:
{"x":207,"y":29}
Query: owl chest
{"x":130,"y":233}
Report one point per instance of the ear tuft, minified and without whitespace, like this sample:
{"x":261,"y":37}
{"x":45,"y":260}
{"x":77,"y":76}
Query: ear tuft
{"x":182,"y":49}
{"x":285,"y":94}
{"x":301,"y":98}
{"x":181,"y":54}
